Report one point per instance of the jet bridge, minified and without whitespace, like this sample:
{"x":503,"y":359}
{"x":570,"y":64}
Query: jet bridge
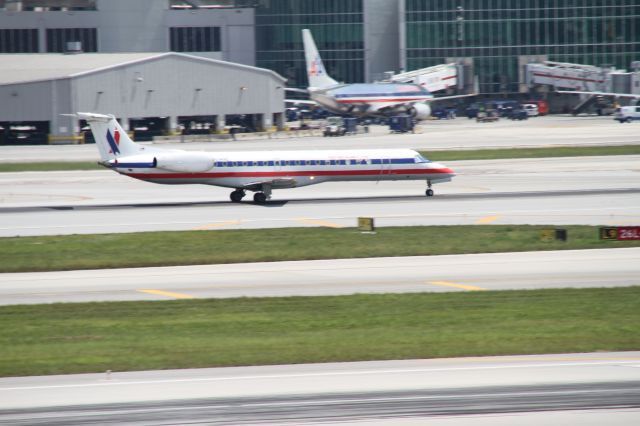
{"x":569,"y":76}
{"x":435,"y":78}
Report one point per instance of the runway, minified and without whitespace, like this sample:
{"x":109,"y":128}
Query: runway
{"x":579,"y":190}
{"x":531,"y":389}
{"x":475,"y":272}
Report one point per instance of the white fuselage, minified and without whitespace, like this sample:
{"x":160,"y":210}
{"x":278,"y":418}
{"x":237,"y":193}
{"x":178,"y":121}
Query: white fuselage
{"x":286,"y":169}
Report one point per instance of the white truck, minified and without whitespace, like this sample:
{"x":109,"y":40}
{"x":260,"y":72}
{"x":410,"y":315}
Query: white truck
{"x":627,"y":114}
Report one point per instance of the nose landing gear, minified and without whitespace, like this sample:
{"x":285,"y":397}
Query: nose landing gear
{"x":429,"y":192}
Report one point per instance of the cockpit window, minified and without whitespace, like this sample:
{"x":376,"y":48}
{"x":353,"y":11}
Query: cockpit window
{"x":420,"y":159}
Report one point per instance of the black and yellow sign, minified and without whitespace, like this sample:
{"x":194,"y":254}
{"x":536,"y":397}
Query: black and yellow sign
{"x":559,"y":234}
{"x":548,"y":234}
{"x":365,"y":224}
{"x":609,"y":233}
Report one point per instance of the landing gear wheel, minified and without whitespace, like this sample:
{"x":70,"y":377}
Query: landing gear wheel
{"x":260,"y":198}
{"x":429,"y":192}
{"x":237,"y":195}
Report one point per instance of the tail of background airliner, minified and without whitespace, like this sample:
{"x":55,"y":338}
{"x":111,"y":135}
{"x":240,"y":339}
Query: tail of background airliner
{"x":318,"y":77}
{"x":112,"y":141}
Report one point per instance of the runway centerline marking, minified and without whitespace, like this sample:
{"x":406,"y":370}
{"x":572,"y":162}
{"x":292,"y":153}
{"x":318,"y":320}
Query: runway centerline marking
{"x":488,"y":219}
{"x":319,"y":222}
{"x":167,"y":294}
{"x":456,"y":285}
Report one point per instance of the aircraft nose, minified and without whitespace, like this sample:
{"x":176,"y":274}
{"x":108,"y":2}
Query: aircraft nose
{"x":445,"y":170}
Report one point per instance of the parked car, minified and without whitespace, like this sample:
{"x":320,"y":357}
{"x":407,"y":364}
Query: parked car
{"x":532,"y":110}
{"x":627,"y":114}
{"x":518,"y":114}
{"x":543,"y":106}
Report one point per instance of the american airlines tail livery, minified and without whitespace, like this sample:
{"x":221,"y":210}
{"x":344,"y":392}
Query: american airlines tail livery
{"x":260,"y":171}
{"x":363,"y":99}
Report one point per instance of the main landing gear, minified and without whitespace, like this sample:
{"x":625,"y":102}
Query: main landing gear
{"x":258,"y":198}
{"x":429,"y":192}
{"x":237,"y":195}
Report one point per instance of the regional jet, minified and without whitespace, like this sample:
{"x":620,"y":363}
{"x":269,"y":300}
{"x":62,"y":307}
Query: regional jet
{"x":363,"y":99}
{"x":260,"y":172}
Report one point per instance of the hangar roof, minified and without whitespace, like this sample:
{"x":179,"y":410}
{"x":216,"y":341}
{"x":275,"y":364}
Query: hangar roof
{"x":27,"y":68}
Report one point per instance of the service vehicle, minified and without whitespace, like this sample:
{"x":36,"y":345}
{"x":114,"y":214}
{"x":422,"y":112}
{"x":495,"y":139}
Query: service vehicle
{"x":627,"y":114}
{"x":532,"y":110}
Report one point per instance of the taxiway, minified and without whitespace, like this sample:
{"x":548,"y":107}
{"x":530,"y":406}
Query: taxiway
{"x":473,"y":272}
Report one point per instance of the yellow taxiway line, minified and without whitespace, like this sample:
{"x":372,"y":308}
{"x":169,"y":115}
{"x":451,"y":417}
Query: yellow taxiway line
{"x":456,"y":285}
{"x":167,"y":294}
{"x":318,"y":222}
{"x":487,"y":219}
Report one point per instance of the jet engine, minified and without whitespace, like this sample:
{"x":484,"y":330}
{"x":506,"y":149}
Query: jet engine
{"x":184,"y":162}
{"x":420,"y":111}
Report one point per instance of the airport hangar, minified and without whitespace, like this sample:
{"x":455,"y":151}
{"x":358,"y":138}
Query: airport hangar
{"x":159,"y":93}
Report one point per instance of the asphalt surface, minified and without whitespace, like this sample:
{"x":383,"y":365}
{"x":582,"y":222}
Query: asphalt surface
{"x":584,"y":190}
{"x":475,"y":272}
{"x":462,"y":390}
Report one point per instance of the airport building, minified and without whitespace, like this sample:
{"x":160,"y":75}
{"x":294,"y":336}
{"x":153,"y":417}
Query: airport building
{"x":118,"y":26}
{"x":359,"y":40}
{"x":499,"y":36}
{"x":151,"y":93}
{"x":111,"y":56}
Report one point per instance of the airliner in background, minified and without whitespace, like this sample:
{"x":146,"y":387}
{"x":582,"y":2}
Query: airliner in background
{"x":363,"y":99}
{"x":260,"y":172}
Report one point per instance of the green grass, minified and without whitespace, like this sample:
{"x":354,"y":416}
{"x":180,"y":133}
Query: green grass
{"x":94,"y":337}
{"x":50,"y":166}
{"x":498,"y":154}
{"x":480,"y":154}
{"x":69,"y":252}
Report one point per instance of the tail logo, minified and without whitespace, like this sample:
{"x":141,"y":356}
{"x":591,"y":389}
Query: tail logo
{"x":113,"y":143}
{"x":316,"y":67}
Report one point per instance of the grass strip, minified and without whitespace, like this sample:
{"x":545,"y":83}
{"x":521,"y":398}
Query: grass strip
{"x":504,"y":153}
{"x":121,"y":336}
{"x":479,"y":154}
{"x":50,"y":166}
{"x":97,"y":251}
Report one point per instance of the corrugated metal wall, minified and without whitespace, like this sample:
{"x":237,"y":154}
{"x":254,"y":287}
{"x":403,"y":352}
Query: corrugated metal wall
{"x":179,"y":86}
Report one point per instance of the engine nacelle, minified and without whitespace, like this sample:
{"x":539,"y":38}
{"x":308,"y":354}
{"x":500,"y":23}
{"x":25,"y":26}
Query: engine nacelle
{"x":420,"y":111}
{"x":184,"y":162}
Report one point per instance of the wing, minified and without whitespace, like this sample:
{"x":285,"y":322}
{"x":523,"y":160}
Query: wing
{"x":281,"y":183}
{"x":445,"y":98}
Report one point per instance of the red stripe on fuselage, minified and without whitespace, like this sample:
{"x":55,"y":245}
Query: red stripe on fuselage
{"x":218,"y":175}
{"x":369,"y":100}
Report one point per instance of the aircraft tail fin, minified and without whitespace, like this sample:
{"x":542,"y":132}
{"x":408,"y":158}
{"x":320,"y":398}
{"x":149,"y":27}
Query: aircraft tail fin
{"x":112,"y":141}
{"x":317,"y":74}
